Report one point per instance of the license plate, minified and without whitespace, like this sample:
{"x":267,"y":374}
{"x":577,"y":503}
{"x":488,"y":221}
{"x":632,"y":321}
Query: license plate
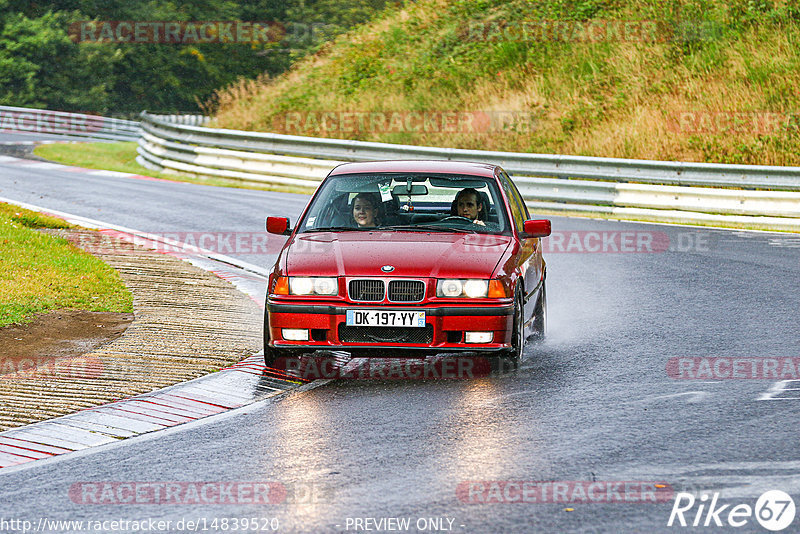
{"x":415,"y":319}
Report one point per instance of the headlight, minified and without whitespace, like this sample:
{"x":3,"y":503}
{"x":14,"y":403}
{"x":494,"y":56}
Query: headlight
{"x":326,"y":286}
{"x":449,"y":288}
{"x":473,"y":289}
{"x":303,"y":285}
{"x":476,"y":289}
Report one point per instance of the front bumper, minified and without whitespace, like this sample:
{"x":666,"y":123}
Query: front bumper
{"x":445,"y":328}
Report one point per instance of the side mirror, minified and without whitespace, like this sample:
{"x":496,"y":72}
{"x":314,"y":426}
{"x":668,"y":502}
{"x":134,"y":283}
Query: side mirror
{"x":538,"y":228}
{"x":278,"y":225}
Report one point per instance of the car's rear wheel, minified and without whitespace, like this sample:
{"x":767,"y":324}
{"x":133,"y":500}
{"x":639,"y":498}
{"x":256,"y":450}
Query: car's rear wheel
{"x":539,"y":316}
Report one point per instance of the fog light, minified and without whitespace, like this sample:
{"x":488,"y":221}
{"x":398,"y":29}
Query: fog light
{"x":479,"y":337}
{"x":295,"y":334}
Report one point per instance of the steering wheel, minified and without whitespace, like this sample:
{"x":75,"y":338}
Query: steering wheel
{"x":456,"y":218}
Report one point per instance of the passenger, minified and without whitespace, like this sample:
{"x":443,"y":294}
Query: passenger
{"x":468,"y":204}
{"x":365,"y":210}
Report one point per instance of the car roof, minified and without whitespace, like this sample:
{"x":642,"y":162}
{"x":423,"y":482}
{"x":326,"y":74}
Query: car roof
{"x":422,"y":166}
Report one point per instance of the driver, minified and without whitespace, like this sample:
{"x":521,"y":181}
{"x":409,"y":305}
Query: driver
{"x":468,"y":204}
{"x":364,"y":209}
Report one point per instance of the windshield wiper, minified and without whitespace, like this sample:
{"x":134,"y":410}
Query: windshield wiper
{"x":334,"y":229}
{"x":429,"y":227}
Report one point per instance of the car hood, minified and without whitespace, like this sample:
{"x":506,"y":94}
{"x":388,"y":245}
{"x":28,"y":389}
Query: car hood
{"x":412,"y":254}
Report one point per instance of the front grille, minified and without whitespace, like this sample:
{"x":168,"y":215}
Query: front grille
{"x":406,"y":290}
{"x":381,"y":334}
{"x":367,"y":290}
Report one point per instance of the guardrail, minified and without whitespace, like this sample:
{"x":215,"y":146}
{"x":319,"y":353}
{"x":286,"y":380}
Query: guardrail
{"x":657,"y":190}
{"x":40,"y":121}
{"x":188,"y":119}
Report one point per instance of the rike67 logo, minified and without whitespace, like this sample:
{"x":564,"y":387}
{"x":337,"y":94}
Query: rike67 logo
{"x":774,"y":511}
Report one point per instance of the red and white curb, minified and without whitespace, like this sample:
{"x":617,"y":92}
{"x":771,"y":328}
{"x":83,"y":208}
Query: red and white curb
{"x":244,"y":383}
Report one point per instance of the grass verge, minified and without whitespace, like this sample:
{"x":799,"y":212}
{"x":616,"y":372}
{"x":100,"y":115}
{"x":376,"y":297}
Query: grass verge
{"x":121,"y":157}
{"x":39,"y":272}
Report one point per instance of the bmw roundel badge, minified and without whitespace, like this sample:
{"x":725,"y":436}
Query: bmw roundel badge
{"x":387,"y":268}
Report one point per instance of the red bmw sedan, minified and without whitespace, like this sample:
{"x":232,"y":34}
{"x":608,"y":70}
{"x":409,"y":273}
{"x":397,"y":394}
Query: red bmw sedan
{"x":408,"y":258}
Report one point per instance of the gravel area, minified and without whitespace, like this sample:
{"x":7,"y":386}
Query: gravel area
{"x":187,"y":323}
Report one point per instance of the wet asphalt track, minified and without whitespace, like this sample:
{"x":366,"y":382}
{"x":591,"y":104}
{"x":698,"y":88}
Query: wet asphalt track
{"x":593,"y":402}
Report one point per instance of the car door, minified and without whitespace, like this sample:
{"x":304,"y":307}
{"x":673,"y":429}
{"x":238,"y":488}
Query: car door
{"x":529,"y":258}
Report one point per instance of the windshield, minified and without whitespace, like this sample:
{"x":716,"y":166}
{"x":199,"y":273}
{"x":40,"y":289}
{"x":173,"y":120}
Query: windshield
{"x":407,"y":202}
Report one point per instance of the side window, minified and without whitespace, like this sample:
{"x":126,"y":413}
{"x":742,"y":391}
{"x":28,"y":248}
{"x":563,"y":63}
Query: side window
{"x":520,"y":200}
{"x":518,"y":208}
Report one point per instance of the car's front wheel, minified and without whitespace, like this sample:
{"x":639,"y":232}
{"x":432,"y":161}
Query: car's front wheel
{"x":272,"y":354}
{"x":514,"y":355}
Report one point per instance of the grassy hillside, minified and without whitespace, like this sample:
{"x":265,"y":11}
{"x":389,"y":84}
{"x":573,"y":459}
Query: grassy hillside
{"x":694,"y":80}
